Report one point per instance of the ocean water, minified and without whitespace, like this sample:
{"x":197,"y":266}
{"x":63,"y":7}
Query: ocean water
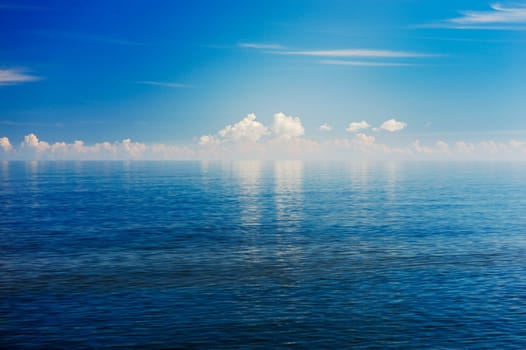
{"x":262,"y":255}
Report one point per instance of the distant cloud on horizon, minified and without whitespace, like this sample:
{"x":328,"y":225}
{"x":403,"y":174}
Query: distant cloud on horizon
{"x":284,"y":139}
{"x":358,"y":147}
{"x":249,"y":129}
{"x":393,"y":125}
{"x":355,"y":126}
{"x":325,"y":127}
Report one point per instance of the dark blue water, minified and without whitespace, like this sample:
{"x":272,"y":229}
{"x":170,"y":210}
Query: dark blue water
{"x":262,"y":255}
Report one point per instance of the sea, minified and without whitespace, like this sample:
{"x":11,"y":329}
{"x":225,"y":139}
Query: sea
{"x":262,"y":255}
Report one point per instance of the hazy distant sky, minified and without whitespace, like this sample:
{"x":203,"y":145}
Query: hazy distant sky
{"x":179,"y":72}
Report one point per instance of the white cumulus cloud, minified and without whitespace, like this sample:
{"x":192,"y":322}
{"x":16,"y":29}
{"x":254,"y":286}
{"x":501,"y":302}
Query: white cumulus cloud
{"x":31,"y":141}
{"x":248,"y":129}
{"x":5,"y":144}
{"x":355,"y":126}
{"x":365,"y":138}
{"x":31,"y":148}
{"x":325,"y":127}
{"x":208,"y":140}
{"x":393,"y":125}
{"x":287,"y":127}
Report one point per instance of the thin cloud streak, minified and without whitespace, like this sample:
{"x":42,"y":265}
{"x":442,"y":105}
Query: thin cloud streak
{"x":500,"y":14}
{"x":165,"y":84}
{"x":365,"y":63}
{"x":275,"y":49}
{"x":14,"y":76}
{"x":357,"y":53}
{"x":472,"y":27}
{"x":260,"y":46}
{"x":498,"y":18}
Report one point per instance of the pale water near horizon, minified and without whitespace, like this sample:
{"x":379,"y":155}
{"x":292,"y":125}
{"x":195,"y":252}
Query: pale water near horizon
{"x":262,"y":255}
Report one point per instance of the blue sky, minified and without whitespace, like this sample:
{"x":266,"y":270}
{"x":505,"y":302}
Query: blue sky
{"x":170,"y":72}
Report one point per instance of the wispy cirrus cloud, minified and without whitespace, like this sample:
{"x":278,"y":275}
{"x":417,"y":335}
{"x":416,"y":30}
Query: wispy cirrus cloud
{"x":173,"y":85}
{"x":498,"y":14}
{"x":365,"y":63}
{"x":14,"y":76}
{"x":366,"y":53}
{"x":343,"y":57}
{"x":261,"y":46}
{"x":498,"y":17}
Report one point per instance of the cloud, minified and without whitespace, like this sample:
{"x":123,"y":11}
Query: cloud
{"x":325,"y":127}
{"x":208,"y":140}
{"x":248,"y":129}
{"x":355,"y":126}
{"x":393,"y":125}
{"x":359,"y":146}
{"x":356,"y":53}
{"x":246,"y":140}
{"x":31,"y":141}
{"x":344,"y":53}
{"x":260,"y":46}
{"x":287,"y":127}
{"x":442,"y":146}
{"x":5,"y":144}
{"x":498,"y":14}
{"x":364,"y":53}
{"x":364,"y":63}
{"x":419,"y":148}
{"x":31,"y":148}
{"x":15,"y":76}
{"x":365,"y":138}
{"x":499,"y":17}
{"x":165,"y":84}
{"x":464,"y":147}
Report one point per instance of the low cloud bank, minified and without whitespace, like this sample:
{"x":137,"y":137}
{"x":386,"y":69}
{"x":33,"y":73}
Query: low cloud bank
{"x":31,"y":148}
{"x":284,"y":139}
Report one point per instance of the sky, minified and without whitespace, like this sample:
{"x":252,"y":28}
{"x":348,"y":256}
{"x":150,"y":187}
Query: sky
{"x":270,"y":79}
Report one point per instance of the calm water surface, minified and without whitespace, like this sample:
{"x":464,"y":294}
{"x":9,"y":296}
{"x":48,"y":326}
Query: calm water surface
{"x":262,"y":255}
